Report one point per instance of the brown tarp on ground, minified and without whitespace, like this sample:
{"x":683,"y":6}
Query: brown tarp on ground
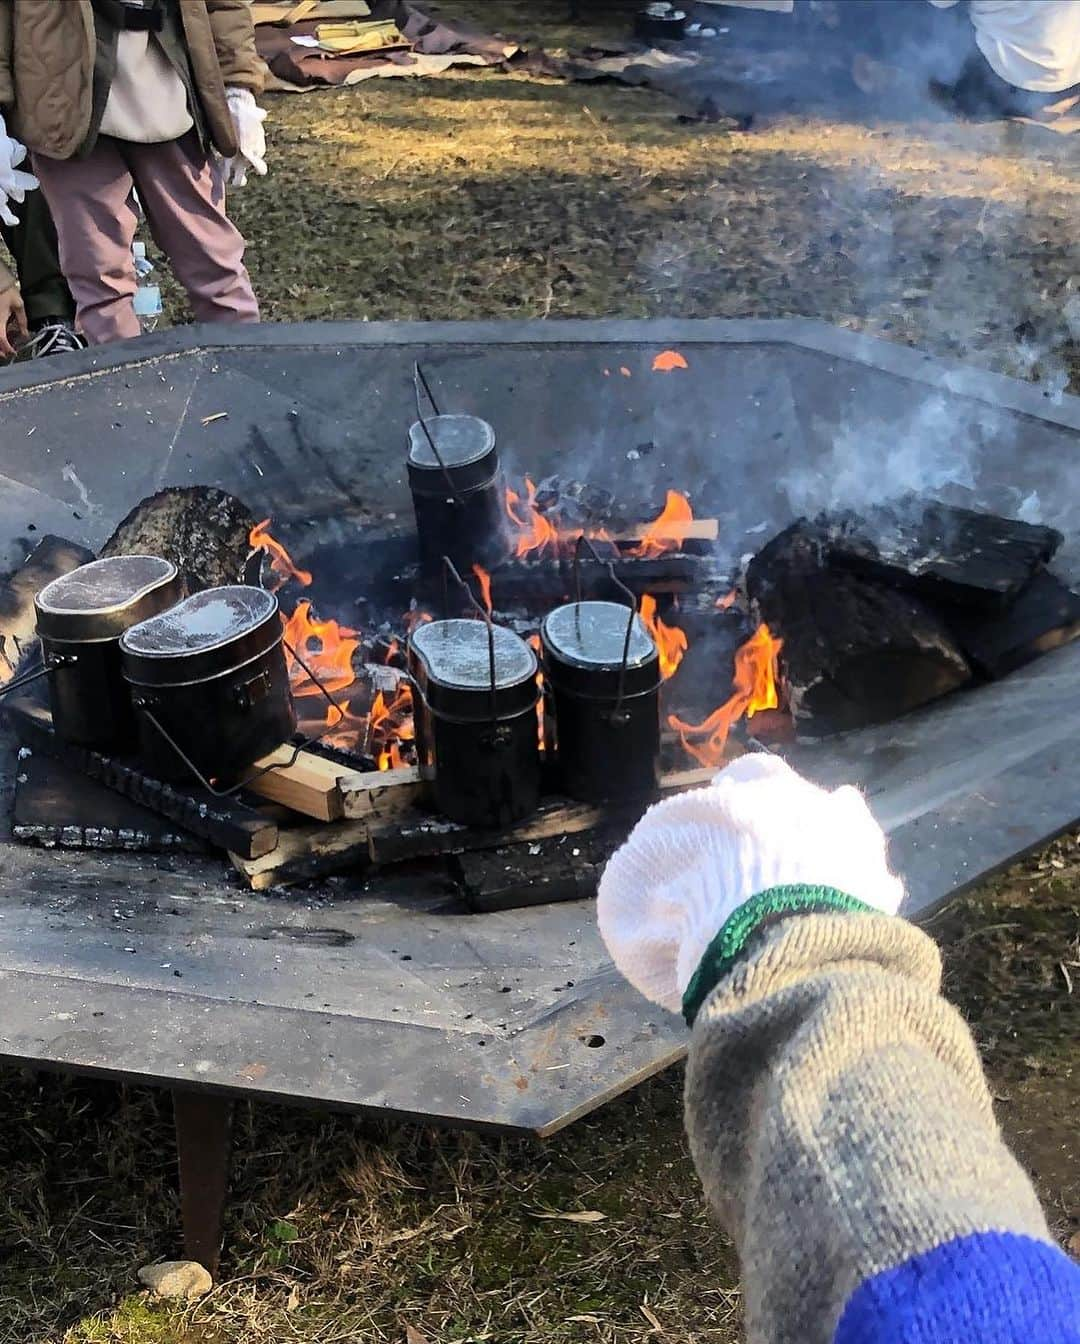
{"x":445,"y":42}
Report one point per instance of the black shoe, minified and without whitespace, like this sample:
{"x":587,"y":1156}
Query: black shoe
{"x":53,"y":337}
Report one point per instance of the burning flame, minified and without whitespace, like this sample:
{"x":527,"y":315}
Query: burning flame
{"x":389,"y":725}
{"x":537,"y":647}
{"x":483,"y":578}
{"x":326,"y":647}
{"x":667,"y":360}
{"x":755,"y":682}
{"x":666,"y":532}
{"x":281,"y":564}
{"x":728,"y":600}
{"x":671,"y":642}
{"x":534,"y":531}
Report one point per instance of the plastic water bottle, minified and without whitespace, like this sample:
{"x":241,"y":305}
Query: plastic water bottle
{"x":147,"y":297}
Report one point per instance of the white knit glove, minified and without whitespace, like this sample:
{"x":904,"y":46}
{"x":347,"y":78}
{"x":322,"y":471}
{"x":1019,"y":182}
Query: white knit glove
{"x":13,"y":184}
{"x":694,"y":859}
{"x":248,"y":120}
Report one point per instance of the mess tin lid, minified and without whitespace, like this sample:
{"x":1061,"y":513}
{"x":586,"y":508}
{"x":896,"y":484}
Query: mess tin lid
{"x":99,"y":600}
{"x":466,"y":445}
{"x":451,"y":666}
{"x":583,"y":646}
{"x":207,"y":635}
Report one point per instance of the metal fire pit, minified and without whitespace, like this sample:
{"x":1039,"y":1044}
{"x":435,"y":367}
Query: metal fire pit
{"x":388,"y":998}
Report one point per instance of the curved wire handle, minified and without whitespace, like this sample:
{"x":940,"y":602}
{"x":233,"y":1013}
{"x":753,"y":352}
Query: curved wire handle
{"x":418,"y":381}
{"x":485,"y":615}
{"x":265,"y":769}
{"x":584,"y":541}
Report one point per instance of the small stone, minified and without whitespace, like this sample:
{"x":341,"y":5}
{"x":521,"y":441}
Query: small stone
{"x":184,"y":1279}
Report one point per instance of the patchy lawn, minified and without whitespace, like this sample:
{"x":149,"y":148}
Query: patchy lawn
{"x":497,"y":196}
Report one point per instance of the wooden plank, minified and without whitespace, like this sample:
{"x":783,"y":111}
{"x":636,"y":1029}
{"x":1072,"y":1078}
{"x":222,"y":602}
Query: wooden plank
{"x":223,"y":821}
{"x":305,"y":853}
{"x":376,"y":795}
{"x":303,"y":782}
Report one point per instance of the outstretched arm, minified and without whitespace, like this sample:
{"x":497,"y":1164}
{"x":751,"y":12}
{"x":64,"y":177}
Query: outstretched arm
{"x":836,"y":1105}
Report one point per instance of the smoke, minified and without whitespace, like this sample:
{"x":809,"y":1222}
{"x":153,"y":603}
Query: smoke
{"x":877,"y":461}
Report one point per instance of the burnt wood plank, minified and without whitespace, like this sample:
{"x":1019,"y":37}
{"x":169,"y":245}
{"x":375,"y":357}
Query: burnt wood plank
{"x":223,"y":821}
{"x":58,"y":806}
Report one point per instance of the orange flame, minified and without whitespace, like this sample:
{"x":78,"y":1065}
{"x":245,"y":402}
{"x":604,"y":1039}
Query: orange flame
{"x":537,"y":648}
{"x":755,"y":682}
{"x":326,"y":647}
{"x":728,"y":600}
{"x":666,"y":532}
{"x":389,"y":725}
{"x":281,"y":564}
{"x":668,"y":360}
{"x":671,"y":642}
{"x":534,"y":531}
{"x":483,"y":578}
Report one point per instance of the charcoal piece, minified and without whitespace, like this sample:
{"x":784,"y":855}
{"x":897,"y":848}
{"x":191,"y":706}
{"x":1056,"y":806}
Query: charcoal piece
{"x":201,"y":529}
{"x":51,"y":558}
{"x":941,"y":553}
{"x":55,"y":805}
{"x":1044,"y":616}
{"x":539,"y":874}
{"x":855,"y":653}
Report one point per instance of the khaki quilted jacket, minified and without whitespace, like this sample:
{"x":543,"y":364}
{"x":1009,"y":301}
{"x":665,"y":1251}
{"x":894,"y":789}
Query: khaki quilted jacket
{"x":47,"y":53}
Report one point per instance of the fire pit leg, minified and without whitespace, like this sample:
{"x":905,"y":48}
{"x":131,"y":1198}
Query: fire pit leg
{"x":203,"y":1142}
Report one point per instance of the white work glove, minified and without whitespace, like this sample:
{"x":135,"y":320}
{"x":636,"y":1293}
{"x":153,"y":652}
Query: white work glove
{"x":13,"y":184}
{"x":694,"y":859}
{"x":248,"y":120}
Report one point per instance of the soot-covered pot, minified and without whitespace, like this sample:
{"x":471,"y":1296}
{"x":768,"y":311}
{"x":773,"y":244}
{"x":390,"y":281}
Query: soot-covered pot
{"x":606,"y":712}
{"x":477,"y":739}
{"x":80,"y":619}
{"x":210,"y":684}
{"x":460,"y":511}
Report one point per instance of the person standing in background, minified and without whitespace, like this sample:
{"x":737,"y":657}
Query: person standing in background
{"x":114,"y":97}
{"x":36,"y":309}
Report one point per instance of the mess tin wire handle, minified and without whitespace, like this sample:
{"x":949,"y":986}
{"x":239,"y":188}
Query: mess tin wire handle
{"x":265,"y":769}
{"x":583,"y":542}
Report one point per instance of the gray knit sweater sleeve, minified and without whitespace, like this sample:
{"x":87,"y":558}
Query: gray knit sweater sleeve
{"x":843,"y":1131}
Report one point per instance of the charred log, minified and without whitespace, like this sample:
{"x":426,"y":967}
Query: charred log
{"x":855,"y":653}
{"x":50,"y":558}
{"x":1044,"y":616}
{"x":202,"y":530}
{"x":941,"y":553}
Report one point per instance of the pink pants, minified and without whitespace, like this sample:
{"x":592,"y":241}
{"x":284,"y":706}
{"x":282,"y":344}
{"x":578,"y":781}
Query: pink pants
{"x":184,"y":200}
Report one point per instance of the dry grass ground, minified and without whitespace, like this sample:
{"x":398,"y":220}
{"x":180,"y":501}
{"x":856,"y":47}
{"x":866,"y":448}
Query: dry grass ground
{"x":492,"y":196}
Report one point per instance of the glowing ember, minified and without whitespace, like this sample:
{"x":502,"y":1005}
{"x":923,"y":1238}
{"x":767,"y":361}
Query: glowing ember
{"x":667,"y":532}
{"x":534,"y":531}
{"x":671,"y":642}
{"x":668,"y":360}
{"x":281,"y":565}
{"x":755,"y":683}
{"x":483,"y":578}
